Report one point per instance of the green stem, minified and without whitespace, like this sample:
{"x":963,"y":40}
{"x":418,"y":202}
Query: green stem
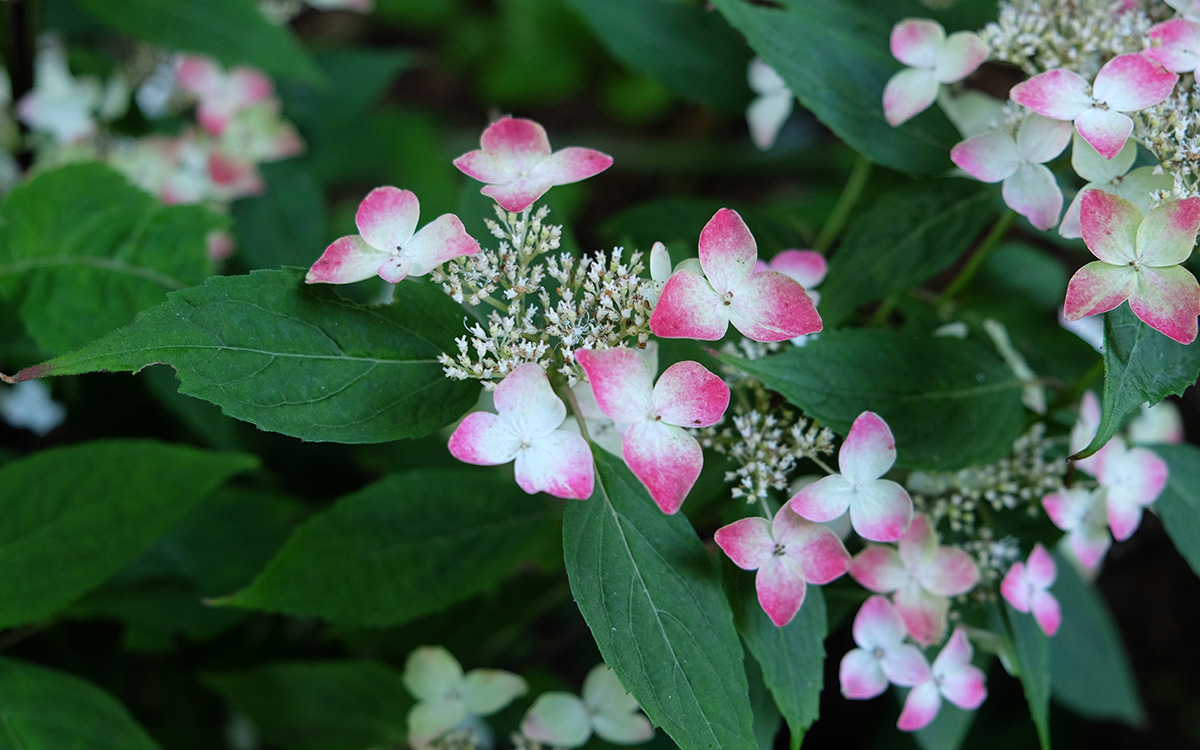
{"x":569,"y":396}
{"x":845,"y":203}
{"x":999,"y":229}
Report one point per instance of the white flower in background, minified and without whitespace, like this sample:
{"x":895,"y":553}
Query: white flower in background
{"x":772,"y":105}
{"x":28,"y":406}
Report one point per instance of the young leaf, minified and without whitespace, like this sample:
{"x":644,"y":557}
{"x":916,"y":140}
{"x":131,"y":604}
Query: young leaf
{"x":817,"y":46}
{"x":792,"y":658}
{"x":44,"y":709}
{"x":908,"y":235}
{"x":650,"y":596}
{"x":321,"y":705}
{"x":1179,"y":504}
{"x":296,"y":359}
{"x":82,"y":252}
{"x":949,"y":403}
{"x":1031,"y":648}
{"x":73,"y":516}
{"x":1089,"y":671}
{"x":410,"y":544}
{"x":1140,"y":365}
{"x":233,"y":31}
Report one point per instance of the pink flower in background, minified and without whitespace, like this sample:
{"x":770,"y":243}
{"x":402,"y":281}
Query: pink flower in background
{"x":805,"y":266}
{"x":526,"y":430}
{"x":519,"y":167}
{"x":1026,"y":587}
{"x":1127,"y":83}
{"x":1132,"y":478}
{"x":1178,"y":45}
{"x":1139,"y":257}
{"x":1029,"y":188}
{"x":220,"y":95}
{"x":880,"y":509}
{"x":932,"y":59}
{"x":1161,"y":423}
{"x":1084,"y":431}
{"x":764,"y":306}
{"x":388,"y":244}
{"x":882,"y":656}
{"x":656,"y":447}
{"x":923,"y":576}
{"x":788,"y":553}
{"x":1080,"y":511}
{"x":952,"y":677}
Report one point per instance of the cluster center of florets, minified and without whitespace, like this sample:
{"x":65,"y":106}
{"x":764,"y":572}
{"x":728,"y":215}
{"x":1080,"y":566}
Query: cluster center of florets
{"x":780,"y":550}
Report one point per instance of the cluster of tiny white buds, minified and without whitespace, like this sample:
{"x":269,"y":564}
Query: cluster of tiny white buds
{"x":767,"y":448}
{"x":1171,"y":131}
{"x":993,"y":557}
{"x":488,"y":354}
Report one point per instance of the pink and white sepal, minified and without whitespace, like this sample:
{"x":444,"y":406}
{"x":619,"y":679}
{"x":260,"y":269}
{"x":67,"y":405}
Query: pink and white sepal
{"x":1081,"y":513}
{"x":1126,"y":83}
{"x":763,"y":305}
{"x":388,"y":243}
{"x":519,"y":167}
{"x":1132,"y":478}
{"x":655,"y":445}
{"x":953,"y":677}
{"x":1138,"y":259}
{"x":220,"y":95}
{"x":882,"y":656}
{"x":1026,"y":586}
{"x":789,"y":553}
{"x":880,"y":509}
{"x":932,"y":59}
{"x":527,"y":431}
{"x":921,"y":576}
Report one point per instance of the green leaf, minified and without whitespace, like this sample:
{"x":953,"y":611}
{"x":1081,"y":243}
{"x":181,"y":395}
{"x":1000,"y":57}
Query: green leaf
{"x":792,"y":658}
{"x":410,"y":544}
{"x":1140,"y":365}
{"x":949,"y":403}
{"x":689,"y":50}
{"x":767,"y":718}
{"x":235,"y":32}
{"x":1089,"y":671}
{"x":320,"y":705}
{"x":1179,"y":504}
{"x":82,"y":252}
{"x":295,"y":358}
{"x":650,"y":596}
{"x":73,"y":516}
{"x":909,"y":235}
{"x":1031,"y":649}
{"x":44,"y":709}
{"x":357,"y":79}
{"x":285,"y":224}
{"x":834,"y":56}
{"x":947,"y":730}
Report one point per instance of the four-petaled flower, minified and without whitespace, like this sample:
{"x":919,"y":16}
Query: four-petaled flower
{"x":656,"y":447}
{"x":1132,"y":478}
{"x":220,"y":95}
{"x":952,"y":677}
{"x":387,"y":243}
{"x":1080,"y":512}
{"x":1126,"y":83}
{"x":1026,"y":587}
{"x":1112,"y":176}
{"x":880,"y":509}
{"x":1139,"y":257}
{"x":446,"y":698}
{"x":563,"y":720}
{"x":770,"y":109}
{"x":764,"y":306}
{"x":788,"y":553}
{"x":932,"y":59}
{"x":1178,"y":45}
{"x":882,"y":656}
{"x":519,"y":167}
{"x":526,"y":431}
{"x":923,"y":576}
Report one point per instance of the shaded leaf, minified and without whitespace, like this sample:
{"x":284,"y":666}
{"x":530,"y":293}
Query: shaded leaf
{"x":285,"y":224}
{"x":947,"y":730}
{"x":1031,"y":649}
{"x":295,"y":358}
{"x":650,"y":596}
{"x":1179,"y":504}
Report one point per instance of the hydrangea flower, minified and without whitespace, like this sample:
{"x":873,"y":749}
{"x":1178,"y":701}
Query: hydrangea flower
{"x":1084,"y":431}
{"x":446,"y":698}
{"x":1080,"y":512}
{"x":880,"y":509}
{"x":602,"y":429}
{"x":220,"y":95}
{"x":788,"y":553}
{"x":655,"y":445}
{"x":932,"y":59}
{"x":1111,"y":176}
{"x":1138,"y":260}
{"x":59,"y":104}
{"x":1132,"y":478}
{"x":882,"y":656}
{"x":771,"y":106}
{"x":1160,"y":423}
{"x":1026,"y":587}
{"x":29,"y":406}
{"x":923,"y":576}
{"x":805,"y":266}
{"x":526,"y":430}
{"x":1178,"y":45}
{"x":764,"y":306}
{"x":1028,"y":187}
{"x":1126,"y":83}
{"x":519,"y":167}
{"x":387,"y":243}
{"x":564,"y":720}
{"x":952,"y":677}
